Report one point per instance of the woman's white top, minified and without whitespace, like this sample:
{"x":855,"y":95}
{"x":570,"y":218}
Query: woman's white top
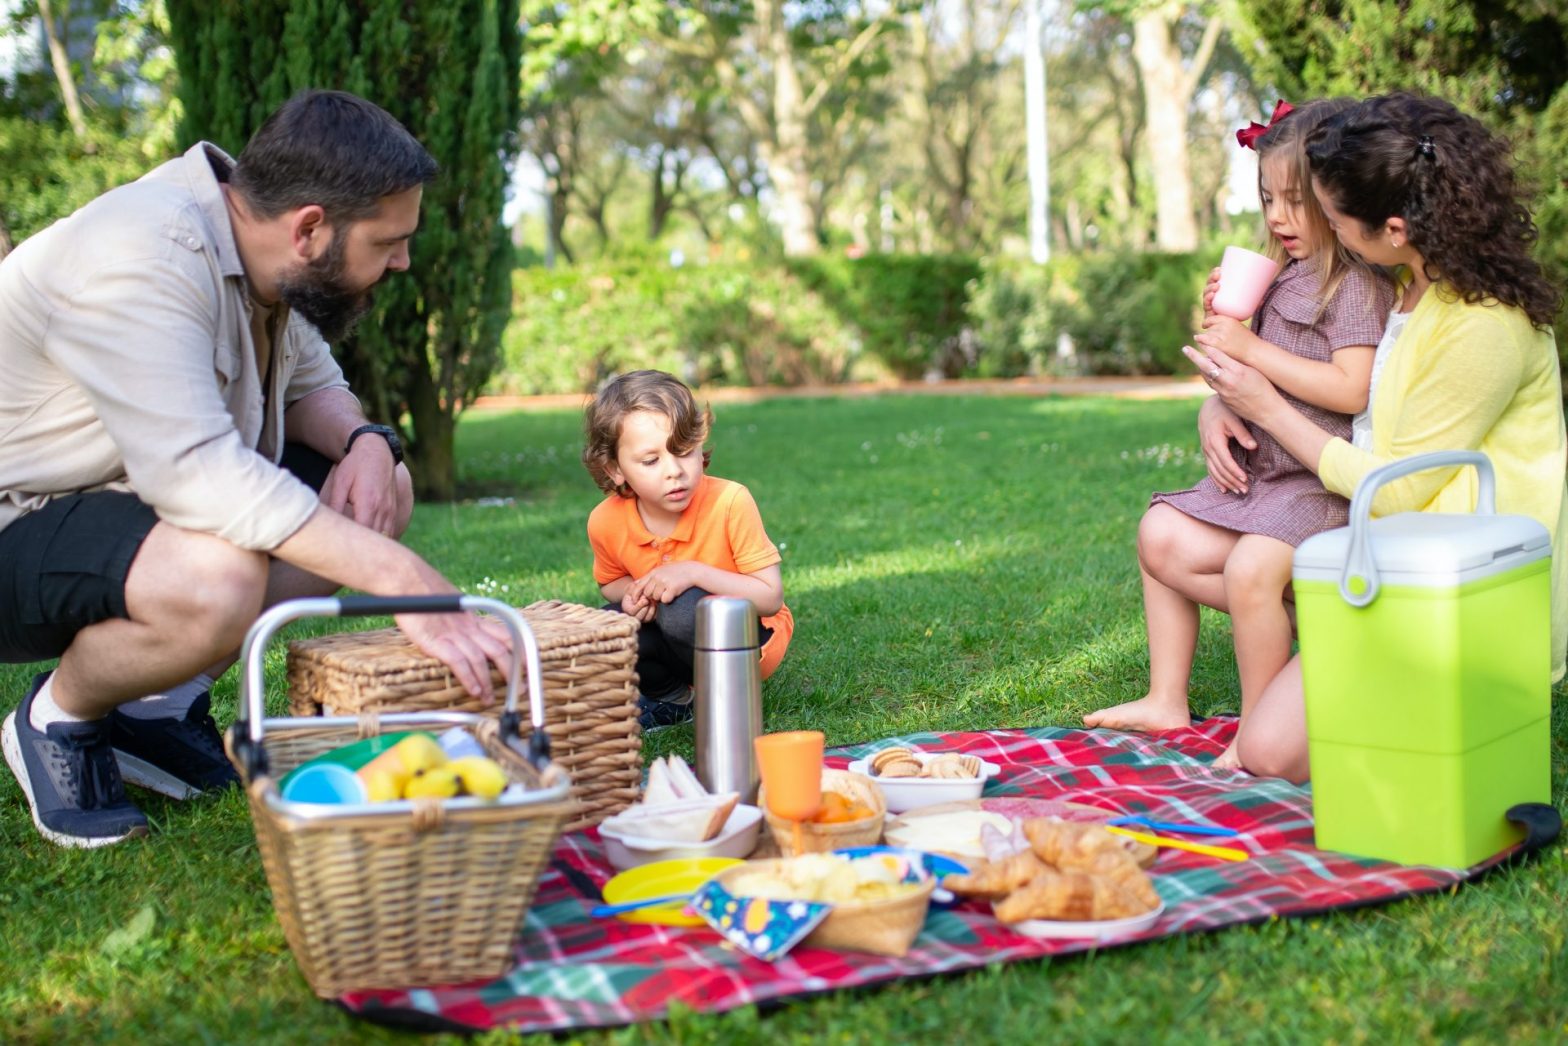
{"x":1361,"y":424}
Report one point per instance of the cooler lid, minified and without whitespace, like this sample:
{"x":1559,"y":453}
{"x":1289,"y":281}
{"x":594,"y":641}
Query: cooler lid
{"x":1430,"y":548}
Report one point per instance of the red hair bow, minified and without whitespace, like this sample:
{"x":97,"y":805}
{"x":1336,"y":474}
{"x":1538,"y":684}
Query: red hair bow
{"x":1248,"y":136}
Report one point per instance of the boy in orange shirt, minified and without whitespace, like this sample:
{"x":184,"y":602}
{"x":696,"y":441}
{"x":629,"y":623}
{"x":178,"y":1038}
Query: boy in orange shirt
{"x":666,"y":534}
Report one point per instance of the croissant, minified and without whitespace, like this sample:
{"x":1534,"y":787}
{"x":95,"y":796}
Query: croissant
{"x":1076,"y":896}
{"x":995,"y":879}
{"x":1070,"y":845}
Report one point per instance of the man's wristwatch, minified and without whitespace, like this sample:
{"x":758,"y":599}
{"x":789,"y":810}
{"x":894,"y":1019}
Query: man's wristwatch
{"x":386,"y":432}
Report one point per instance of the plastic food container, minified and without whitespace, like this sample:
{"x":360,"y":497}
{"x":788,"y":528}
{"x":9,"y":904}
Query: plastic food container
{"x":911,"y":793}
{"x":1426,"y":662}
{"x":737,"y":839}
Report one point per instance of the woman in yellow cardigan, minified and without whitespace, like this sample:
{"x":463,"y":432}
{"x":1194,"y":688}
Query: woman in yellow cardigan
{"x":1414,"y":183}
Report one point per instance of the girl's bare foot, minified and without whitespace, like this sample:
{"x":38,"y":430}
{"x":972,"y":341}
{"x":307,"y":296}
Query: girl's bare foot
{"x":1230,"y":759}
{"x":1147,"y":715}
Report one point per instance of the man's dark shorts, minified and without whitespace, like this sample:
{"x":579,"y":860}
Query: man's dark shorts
{"x":64,"y":566}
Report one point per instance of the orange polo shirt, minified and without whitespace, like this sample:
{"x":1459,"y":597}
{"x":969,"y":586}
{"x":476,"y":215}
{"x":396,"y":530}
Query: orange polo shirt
{"x":720,"y":528}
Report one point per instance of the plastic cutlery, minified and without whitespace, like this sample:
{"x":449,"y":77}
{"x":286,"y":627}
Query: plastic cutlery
{"x":1180,"y":827}
{"x":604,"y":910}
{"x":1224,"y":853}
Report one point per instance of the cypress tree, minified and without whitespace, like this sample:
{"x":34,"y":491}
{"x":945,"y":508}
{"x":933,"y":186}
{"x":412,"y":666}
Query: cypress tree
{"x":448,"y":69}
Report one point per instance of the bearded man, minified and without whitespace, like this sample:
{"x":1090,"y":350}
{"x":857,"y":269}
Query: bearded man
{"x":178,"y":449}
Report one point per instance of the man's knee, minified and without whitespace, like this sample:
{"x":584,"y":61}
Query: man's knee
{"x":209,"y":590}
{"x":405,"y":501}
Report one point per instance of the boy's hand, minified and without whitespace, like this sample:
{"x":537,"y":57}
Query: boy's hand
{"x":663,"y":583}
{"x":634,"y":604}
{"x":1232,"y":337}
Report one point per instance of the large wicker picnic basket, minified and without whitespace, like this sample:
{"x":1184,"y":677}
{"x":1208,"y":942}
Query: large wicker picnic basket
{"x":407,"y":893}
{"x":588,"y":660}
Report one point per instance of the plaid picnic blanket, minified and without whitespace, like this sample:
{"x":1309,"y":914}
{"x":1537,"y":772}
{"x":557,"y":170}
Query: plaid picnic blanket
{"x":574,"y":971}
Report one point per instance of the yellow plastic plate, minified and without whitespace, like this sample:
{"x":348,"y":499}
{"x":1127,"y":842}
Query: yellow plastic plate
{"x":682,"y":875}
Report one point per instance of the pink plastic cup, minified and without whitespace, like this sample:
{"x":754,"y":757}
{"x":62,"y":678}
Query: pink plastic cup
{"x":1244,"y":279}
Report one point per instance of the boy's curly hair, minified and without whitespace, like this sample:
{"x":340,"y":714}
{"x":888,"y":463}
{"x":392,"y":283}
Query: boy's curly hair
{"x":1452,"y":181}
{"x":651,"y":390}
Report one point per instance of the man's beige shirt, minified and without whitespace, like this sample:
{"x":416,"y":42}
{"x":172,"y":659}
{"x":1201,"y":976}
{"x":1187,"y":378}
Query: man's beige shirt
{"x":127,"y":363}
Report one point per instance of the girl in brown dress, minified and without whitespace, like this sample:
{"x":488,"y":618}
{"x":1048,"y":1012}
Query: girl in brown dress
{"x":1313,"y":335}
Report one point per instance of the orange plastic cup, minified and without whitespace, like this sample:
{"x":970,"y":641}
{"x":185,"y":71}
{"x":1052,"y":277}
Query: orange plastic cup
{"x":790,"y":764}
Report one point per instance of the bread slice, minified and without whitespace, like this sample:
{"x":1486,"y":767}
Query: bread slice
{"x":661,"y":786}
{"x":683,"y":821}
{"x":687,"y":786}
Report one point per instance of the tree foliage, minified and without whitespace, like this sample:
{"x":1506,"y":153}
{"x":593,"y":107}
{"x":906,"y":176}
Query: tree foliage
{"x":448,"y":69}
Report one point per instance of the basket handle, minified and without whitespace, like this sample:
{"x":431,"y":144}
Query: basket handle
{"x":1359,"y":582}
{"x":251,"y":728}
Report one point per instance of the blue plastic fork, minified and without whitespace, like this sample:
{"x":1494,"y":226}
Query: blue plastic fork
{"x":1181,"y":827}
{"x":668,"y":900}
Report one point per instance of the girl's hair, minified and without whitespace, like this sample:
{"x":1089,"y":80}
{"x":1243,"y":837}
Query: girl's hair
{"x":1288,"y":137}
{"x":1452,"y":181}
{"x":651,"y":390}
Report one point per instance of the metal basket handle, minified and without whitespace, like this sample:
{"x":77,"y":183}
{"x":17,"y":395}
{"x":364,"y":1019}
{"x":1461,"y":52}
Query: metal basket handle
{"x":250,"y":728}
{"x":1359,"y":583}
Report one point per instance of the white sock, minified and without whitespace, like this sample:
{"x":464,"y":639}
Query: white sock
{"x":171,"y":704}
{"x":45,"y":711}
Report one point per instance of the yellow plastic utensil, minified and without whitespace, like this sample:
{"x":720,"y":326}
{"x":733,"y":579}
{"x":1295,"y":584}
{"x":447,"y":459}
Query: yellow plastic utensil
{"x":1224,"y":853}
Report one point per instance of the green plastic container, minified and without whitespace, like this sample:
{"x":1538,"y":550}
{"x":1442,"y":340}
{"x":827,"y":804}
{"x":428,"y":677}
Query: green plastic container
{"x":1426,"y":663}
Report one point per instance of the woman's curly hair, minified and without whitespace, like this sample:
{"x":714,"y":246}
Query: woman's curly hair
{"x":650,"y":390}
{"x":1453,"y":183}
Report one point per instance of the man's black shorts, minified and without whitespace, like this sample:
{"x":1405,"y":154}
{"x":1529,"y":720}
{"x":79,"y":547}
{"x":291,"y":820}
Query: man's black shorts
{"x":64,"y":566}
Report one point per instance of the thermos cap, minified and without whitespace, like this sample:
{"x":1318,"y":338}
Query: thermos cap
{"x":726,"y":623}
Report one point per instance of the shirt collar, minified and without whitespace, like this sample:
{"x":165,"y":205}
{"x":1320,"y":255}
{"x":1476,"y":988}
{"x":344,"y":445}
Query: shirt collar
{"x":206,"y":166}
{"x":683,"y":526}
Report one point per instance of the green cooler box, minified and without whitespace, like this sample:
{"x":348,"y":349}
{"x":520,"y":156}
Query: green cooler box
{"x":1426,"y":662}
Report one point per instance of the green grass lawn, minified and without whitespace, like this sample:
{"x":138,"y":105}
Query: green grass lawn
{"x":953,"y":563}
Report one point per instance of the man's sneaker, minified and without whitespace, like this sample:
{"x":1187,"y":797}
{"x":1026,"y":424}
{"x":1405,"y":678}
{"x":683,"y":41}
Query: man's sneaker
{"x":655,"y":713}
{"x":179,"y":758}
{"x":69,"y":776}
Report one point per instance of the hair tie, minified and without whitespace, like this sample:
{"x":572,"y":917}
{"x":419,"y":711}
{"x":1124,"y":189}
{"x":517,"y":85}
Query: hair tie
{"x":1247,"y":137}
{"x":1425,"y":147}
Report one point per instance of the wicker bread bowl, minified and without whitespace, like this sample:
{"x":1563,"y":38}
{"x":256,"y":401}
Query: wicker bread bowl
{"x":886,"y":927}
{"x":822,"y":838}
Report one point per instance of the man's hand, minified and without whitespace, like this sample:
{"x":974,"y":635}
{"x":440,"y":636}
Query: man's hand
{"x":364,"y":486}
{"x":466,"y":643}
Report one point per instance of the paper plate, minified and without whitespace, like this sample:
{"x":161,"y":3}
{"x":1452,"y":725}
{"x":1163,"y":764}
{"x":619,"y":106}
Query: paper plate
{"x":1098,"y":929}
{"x":659,"y":878}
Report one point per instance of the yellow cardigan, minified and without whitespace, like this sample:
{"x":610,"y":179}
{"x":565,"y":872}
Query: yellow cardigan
{"x":1470,"y":377}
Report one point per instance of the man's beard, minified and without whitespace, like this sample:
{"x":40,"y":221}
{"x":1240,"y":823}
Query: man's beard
{"x":317,"y":291}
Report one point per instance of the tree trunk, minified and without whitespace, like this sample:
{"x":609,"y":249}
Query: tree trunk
{"x":1165,"y":97}
{"x":5,"y":239}
{"x":431,"y":460}
{"x":61,"y":62}
{"x":788,"y":155}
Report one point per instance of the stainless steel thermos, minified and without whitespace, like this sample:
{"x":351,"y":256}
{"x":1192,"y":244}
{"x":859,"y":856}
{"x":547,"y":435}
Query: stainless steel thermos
{"x":727,"y":676}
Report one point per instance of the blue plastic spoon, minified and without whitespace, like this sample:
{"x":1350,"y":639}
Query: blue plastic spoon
{"x":1173,"y":826}
{"x":605,"y":910}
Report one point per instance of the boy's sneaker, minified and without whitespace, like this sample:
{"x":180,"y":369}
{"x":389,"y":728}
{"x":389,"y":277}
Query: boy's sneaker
{"x":68,"y":773}
{"x":655,"y":713}
{"x":179,"y":758}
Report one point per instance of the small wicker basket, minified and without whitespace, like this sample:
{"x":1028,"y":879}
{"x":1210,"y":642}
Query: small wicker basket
{"x":821,"y":838}
{"x":881,"y":927}
{"x":588,"y":666}
{"x":399,"y":894}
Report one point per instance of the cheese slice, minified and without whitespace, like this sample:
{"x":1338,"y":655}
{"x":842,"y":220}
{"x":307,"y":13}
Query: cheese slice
{"x":957,"y":832}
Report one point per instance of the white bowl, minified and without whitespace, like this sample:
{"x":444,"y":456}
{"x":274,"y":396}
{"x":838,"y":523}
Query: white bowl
{"x":737,"y":838}
{"x":911,"y":793}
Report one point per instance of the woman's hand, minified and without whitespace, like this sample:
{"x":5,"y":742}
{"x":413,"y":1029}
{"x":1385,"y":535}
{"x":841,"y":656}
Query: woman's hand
{"x":1217,"y":426}
{"x":1232,"y":337}
{"x":1241,"y":388}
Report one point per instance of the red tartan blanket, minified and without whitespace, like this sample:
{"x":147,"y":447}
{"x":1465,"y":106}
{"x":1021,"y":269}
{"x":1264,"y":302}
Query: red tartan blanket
{"x":574,"y":971}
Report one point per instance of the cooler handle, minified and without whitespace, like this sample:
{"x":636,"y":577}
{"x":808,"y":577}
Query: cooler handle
{"x":525,"y":649}
{"x":1359,"y":583}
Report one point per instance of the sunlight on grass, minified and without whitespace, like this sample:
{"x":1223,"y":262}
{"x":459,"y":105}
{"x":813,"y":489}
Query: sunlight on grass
{"x":953,"y":562}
